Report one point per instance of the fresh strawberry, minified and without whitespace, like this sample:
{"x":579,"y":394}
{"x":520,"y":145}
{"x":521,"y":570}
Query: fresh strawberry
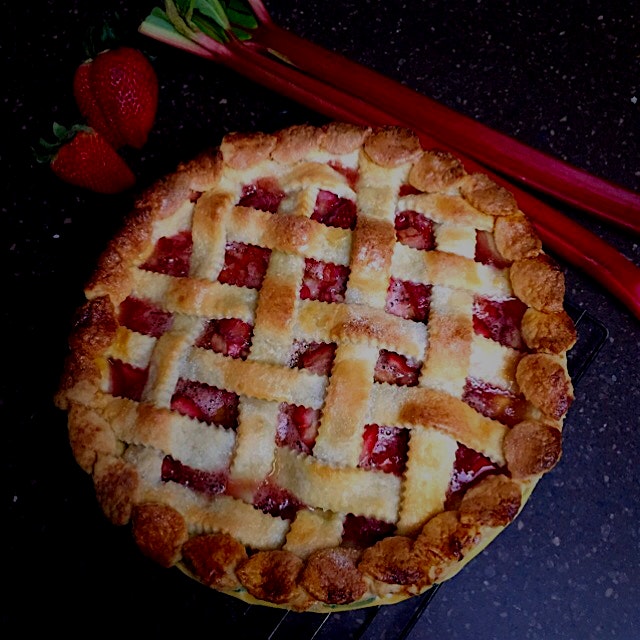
{"x":117,"y":92}
{"x":84,"y":158}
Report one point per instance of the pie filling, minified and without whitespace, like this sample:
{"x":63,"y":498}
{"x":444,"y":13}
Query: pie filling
{"x":482,"y":431}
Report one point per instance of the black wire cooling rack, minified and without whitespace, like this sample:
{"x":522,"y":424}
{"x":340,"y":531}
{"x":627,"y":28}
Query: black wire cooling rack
{"x":396,"y":621}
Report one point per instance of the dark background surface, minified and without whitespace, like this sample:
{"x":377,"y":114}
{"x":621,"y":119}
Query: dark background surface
{"x":562,"y":77}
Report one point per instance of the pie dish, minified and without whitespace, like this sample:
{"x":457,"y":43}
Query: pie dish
{"x":320,"y":368}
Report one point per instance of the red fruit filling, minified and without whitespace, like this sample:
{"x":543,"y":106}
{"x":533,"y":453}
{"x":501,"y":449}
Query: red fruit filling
{"x":408,"y":299}
{"x":384,"y":448}
{"x":244,"y":265}
{"x":415,"y":230}
{"x":362,"y":532}
{"x":206,"y":403}
{"x":143,"y":317}
{"x":394,"y":368}
{"x":171,"y":255}
{"x":487,"y":252}
{"x":494,"y":402}
{"x":407,"y":190}
{"x":469,"y":466}
{"x":208,"y":482}
{"x":324,"y":281}
{"x":317,"y":357}
{"x":127,"y":381}
{"x":350,"y":174}
{"x":229,"y":336}
{"x":263,"y":194}
{"x":277,"y":501}
{"x":297,"y":427}
{"x":334,"y":211}
{"x":499,"y":320}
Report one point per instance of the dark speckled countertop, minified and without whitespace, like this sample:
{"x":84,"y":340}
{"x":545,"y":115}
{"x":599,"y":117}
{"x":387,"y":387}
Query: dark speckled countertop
{"x":560,"y":76}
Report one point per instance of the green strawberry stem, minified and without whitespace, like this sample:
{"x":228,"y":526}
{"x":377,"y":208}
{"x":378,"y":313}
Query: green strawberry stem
{"x":48,"y":150}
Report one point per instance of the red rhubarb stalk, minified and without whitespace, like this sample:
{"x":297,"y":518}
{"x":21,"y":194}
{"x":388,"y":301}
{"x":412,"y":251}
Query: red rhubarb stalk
{"x":560,"y":234}
{"x":506,"y":155}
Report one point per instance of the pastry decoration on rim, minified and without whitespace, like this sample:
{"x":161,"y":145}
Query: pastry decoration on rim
{"x":319,"y":368}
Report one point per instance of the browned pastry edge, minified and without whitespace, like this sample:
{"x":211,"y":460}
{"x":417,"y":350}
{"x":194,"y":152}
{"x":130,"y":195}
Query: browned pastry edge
{"x":333,"y":576}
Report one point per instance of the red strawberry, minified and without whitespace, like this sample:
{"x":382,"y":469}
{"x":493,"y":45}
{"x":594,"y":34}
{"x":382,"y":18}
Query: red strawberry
{"x":84,"y":158}
{"x":117,"y":92}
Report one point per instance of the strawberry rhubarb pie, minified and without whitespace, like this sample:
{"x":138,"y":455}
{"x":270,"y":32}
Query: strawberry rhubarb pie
{"x":319,"y":368}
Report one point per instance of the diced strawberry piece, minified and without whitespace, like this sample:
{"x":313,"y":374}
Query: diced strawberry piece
{"x":297,"y":427}
{"x":350,"y":174}
{"x":408,"y":299}
{"x":244,"y":265}
{"x":384,"y":448}
{"x":264,"y":194}
{"x":334,"y":211}
{"x":487,"y":252}
{"x":143,"y":317}
{"x":469,"y":467}
{"x":171,"y":255}
{"x":127,"y":381}
{"x":206,"y":403}
{"x":494,"y":402}
{"x":394,"y":368}
{"x":499,"y":320}
{"x":317,"y":357}
{"x":208,"y":482}
{"x":324,"y":281}
{"x":277,"y":501}
{"x":407,"y":190}
{"x":415,"y":230}
{"x":362,"y":532}
{"x":229,"y":336}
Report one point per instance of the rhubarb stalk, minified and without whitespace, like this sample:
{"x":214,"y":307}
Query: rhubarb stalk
{"x":177,"y":27}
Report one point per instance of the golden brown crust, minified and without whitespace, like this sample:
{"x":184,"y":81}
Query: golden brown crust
{"x":548,"y":332}
{"x":294,"y":143}
{"x":446,"y":537}
{"x":516,"y":238}
{"x":532,"y":448}
{"x":486,"y":196}
{"x":90,"y":436}
{"x":539,"y":283}
{"x":203,"y":171}
{"x":544,"y":382}
{"x":493,"y":502}
{"x":116,"y":484}
{"x":243,"y":150}
{"x":331,"y":576}
{"x":213,"y":559}
{"x":271,"y":575}
{"x":340,"y":137}
{"x":159,"y":531}
{"x":435,"y":171}
{"x":391,"y":560}
{"x":392,"y":146}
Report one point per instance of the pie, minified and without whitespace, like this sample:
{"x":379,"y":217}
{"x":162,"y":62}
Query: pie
{"x":320,"y":368}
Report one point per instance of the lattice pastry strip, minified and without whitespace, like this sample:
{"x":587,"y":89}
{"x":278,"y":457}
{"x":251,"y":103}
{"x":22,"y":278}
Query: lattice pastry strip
{"x":318,"y":366}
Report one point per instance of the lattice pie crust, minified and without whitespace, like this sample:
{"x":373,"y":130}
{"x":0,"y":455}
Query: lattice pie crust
{"x":320,"y":368}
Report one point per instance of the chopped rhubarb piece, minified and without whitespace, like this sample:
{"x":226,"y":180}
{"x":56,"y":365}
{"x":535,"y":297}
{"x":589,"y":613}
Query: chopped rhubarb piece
{"x":277,"y":501}
{"x":351,"y":174}
{"x":127,"y":381}
{"x":487,"y":252}
{"x":494,"y":402}
{"x":143,"y":317}
{"x":317,"y":357}
{"x":384,"y":448}
{"x":324,"y":281}
{"x":415,"y":230}
{"x":244,"y":265}
{"x":208,"y":482}
{"x":408,"y":299}
{"x":206,"y":403}
{"x":407,"y":190}
{"x":394,"y":368}
{"x":229,"y":336}
{"x":263,"y":194}
{"x":499,"y":320}
{"x":297,"y":427}
{"x":362,"y":532}
{"x":171,"y":255}
{"x":334,"y":211}
{"x":469,"y":467}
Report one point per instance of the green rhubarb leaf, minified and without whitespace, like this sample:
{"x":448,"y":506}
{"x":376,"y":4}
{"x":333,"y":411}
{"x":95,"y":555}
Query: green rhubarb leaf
{"x":240,"y":14}
{"x":214,"y":10}
{"x":210,"y":29}
{"x":175,"y":18}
